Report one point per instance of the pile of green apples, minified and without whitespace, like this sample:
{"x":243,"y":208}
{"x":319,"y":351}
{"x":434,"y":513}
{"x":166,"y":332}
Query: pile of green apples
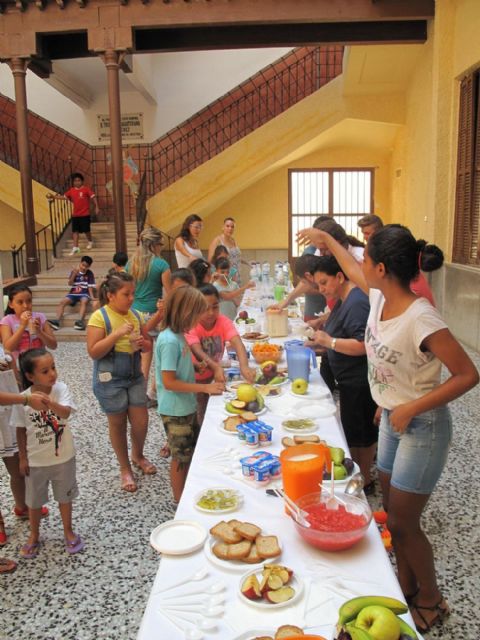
{"x":373,"y":618}
{"x":343,"y":466}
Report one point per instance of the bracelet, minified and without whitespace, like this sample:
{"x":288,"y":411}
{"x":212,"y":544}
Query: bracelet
{"x":334,"y":344}
{"x":25,"y":401}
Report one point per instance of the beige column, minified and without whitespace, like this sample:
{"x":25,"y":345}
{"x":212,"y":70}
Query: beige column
{"x":19,"y":70}
{"x":112,"y":60}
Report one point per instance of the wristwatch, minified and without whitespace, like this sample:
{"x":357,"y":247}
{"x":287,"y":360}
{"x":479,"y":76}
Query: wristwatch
{"x":334,"y":344}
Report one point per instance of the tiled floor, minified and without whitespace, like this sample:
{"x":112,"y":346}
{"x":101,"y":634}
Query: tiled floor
{"x":102,"y":592}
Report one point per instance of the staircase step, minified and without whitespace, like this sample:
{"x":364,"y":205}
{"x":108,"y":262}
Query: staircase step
{"x":69,"y":334}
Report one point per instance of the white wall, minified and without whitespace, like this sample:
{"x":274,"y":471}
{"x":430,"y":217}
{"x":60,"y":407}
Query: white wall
{"x":173,"y":87}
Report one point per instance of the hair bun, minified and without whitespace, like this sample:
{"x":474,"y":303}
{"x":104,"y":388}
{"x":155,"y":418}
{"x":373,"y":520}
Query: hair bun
{"x":431,"y":257}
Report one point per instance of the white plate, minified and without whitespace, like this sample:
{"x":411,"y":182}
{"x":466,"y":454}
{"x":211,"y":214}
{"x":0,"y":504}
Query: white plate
{"x":315,"y":411}
{"x":263,"y":337}
{"x":234,"y":565}
{"x":300,"y":432}
{"x":295,"y":582}
{"x":225,"y":431}
{"x":254,"y":633}
{"x":237,"y":505}
{"x":257,"y":413}
{"x":178,"y":537}
{"x":311,"y":394}
{"x":343,"y":482}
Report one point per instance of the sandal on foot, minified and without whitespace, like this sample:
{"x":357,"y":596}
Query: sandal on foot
{"x":148,"y":468}
{"x":7,"y":565}
{"x":128,"y":482}
{"x":75,"y":545}
{"x":29,"y":551}
{"x":410,"y":598}
{"x":165,"y":451}
{"x":23,"y":514}
{"x":426,"y":625}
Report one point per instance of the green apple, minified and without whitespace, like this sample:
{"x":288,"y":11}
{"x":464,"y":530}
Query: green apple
{"x":339,"y":472}
{"x":246,"y":393}
{"x":381,"y":623}
{"x":299,"y":386}
{"x":337,"y":454}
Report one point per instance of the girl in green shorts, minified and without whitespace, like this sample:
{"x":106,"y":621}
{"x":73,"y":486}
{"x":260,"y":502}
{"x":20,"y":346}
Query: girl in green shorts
{"x":176,"y":387}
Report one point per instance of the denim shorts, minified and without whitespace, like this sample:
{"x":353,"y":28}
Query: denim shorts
{"x":76,"y":297}
{"x":118,"y":382}
{"x":415,"y":458}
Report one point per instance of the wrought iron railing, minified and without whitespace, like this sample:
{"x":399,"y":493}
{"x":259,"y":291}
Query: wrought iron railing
{"x":250,"y":105}
{"x":47,"y":168}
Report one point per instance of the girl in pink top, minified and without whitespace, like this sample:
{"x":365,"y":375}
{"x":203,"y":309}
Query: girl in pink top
{"x":207,"y":342}
{"x":22,"y":328}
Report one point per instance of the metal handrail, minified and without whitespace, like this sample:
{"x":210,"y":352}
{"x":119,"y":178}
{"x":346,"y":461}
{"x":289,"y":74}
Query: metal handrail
{"x":250,"y":105}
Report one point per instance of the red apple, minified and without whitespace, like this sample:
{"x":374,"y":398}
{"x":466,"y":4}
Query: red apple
{"x":251,"y":588}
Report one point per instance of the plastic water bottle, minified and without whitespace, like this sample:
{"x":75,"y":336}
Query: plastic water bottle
{"x":266,"y":271}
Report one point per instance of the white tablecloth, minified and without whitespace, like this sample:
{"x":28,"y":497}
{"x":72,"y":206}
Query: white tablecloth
{"x":329,"y":577}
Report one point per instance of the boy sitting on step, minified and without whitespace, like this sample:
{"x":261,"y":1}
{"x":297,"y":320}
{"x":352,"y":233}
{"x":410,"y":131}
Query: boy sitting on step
{"x":81,"y":282}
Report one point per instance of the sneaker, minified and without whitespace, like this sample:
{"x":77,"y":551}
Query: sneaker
{"x":74,"y":251}
{"x":55,"y":324}
{"x":79,"y":325}
{"x":90,"y":245}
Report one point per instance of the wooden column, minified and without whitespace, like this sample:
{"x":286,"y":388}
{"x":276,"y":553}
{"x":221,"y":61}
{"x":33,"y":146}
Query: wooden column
{"x":19,"y":70}
{"x":112,"y":60}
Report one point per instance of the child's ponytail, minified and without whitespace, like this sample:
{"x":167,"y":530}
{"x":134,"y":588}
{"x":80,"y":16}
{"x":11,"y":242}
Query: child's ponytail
{"x":26,"y":362}
{"x":113,"y":283}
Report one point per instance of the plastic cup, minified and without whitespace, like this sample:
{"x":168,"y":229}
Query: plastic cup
{"x":302,"y":468}
{"x":133,"y":337}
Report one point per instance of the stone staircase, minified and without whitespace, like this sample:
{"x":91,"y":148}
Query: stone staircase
{"x":52,"y":284}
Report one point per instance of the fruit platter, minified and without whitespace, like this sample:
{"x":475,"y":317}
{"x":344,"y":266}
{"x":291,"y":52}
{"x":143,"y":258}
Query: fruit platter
{"x":289,"y":631}
{"x":233,"y":544}
{"x":274,"y":586}
{"x":247,"y":398}
{"x":373,"y":618}
{"x":270,"y":374}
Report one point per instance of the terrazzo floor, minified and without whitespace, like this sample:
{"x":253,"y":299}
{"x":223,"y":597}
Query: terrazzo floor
{"x":102,"y":592}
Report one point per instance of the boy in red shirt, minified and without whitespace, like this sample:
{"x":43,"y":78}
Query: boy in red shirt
{"x":80,"y":196}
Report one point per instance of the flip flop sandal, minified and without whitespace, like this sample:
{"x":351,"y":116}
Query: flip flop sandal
{"x":29,"y":551}
{"x":442,"y":612}
{"x":147,"y":467}
{"x":23,"y":515}
{"x":410,"y":598}
{"x":74,"y":546}
{"x":7,"y":566}
{"x":165,"y":451}
{"x":3,"y":538}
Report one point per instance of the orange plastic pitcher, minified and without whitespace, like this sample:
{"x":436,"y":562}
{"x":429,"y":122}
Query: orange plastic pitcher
{"x":302,"y":468}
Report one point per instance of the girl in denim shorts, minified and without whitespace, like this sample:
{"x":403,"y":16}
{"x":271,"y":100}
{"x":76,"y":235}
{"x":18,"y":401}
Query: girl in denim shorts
{"x":116,"y":336}
{"x":176,"y":387}
{"x":407,"y":342}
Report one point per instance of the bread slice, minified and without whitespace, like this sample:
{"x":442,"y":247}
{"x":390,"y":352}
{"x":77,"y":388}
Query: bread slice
{"x":226,"y":533}
{"x":253,"y":557}
{"x":288,"y":631}
{"x":234,"y":523}
{"x":239,"y":551}
{"x":313,"y":439}
{"x":231,"y":423}
{"x":247,"y":530}
{"x":220,"y":549}
{"x":288,"y":442}
{"x":267,"y":546}
{"x":248,"y":416}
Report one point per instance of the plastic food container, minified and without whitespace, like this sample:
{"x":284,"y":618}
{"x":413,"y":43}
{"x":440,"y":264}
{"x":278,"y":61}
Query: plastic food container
{"x":276,"y":323}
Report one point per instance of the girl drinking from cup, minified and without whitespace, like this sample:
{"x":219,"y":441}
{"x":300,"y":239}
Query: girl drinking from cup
{"x":22,"y":328}
{"x":116,"y":336}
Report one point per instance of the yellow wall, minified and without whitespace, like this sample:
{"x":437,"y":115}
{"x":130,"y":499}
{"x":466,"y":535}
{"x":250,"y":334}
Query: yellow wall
{"x":11,"y":217}
{"x":261,"y":211}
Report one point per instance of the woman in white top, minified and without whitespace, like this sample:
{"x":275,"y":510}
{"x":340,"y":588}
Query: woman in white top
{"x":186,"y":243}
{"x":407,"y":342}
{"x":227,"y":240}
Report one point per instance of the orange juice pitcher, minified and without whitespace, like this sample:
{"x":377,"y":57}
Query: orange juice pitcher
{"x":302,"y":468}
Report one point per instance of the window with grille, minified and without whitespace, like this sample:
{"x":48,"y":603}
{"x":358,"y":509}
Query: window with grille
{"x":344,"y":194}
{"x":467,"y":196}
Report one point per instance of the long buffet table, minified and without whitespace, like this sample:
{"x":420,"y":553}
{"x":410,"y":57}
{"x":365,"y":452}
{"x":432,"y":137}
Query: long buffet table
{"x":329,"y":578}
